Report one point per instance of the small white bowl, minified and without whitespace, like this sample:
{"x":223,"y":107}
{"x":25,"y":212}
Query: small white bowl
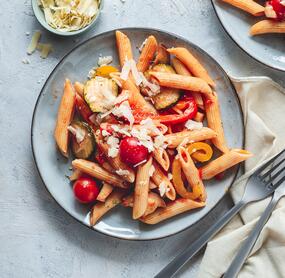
{"x":39,"y":14}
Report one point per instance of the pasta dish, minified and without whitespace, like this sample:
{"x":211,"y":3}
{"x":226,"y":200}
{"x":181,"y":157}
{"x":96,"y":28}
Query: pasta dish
{"x":147,"y":135}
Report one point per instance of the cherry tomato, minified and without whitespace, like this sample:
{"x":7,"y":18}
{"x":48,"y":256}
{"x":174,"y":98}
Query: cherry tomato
{"x":279,"y":8}
{"x":132,"y":151}
{"x":85,"y":190}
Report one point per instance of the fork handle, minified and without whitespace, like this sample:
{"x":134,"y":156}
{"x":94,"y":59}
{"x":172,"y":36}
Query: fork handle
{"x":248,"y":244}
{"x":192,"y":250}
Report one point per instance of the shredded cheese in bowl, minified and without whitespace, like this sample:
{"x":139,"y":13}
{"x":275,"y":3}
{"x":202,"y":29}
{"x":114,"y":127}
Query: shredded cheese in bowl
{"x":69,"y":15}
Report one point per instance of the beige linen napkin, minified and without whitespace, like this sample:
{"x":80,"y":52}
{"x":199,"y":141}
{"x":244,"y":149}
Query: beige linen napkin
{"x":263,"y":104}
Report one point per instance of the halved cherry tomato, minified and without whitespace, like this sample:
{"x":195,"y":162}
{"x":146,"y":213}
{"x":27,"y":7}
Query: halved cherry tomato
{"x":132,"y":151}
{"x":278,"y":7}
{"x":85,"y":190}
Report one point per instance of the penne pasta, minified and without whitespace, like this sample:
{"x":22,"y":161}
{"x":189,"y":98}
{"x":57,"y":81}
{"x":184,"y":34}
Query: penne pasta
{"x":124,"y":48}
{"x":191,"y":173}
{"x":182,"y":82}
{"x":199,"y":117}
{"x":249,"y":6}
{"x":79,"y":88}
{"x":189,"y":136}
{"x":147,"y":54}
{"x":223,"y":163}
{"x":162,"y":158}
{"x":141,"y":189}
{"x":105,"y":191}
{"x":76,"y":174}
{"x":162,"y":56}
{"x":95,"y":170}
{"x":152,"y":185}
{"x":174,"y":208}
{"x":267,"y":26}
{"x":136,"y":100}
{"x":214,"y":120}
{"x":181,"y":69}
{"x":64,"y":118}
{"x":153,"y":202}
{"x":162,"y":181}
{"x":193,"y":65}
{"x":116,"y":163}
{"x":101,"y":209}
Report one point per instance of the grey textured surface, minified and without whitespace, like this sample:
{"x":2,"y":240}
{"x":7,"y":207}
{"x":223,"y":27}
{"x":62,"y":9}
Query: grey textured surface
{"x":37,"y":238}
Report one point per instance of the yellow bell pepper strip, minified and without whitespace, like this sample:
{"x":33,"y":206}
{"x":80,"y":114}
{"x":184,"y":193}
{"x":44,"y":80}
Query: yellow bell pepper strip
{"x":200,"y":151}
{"x":179,"y":184}
{"x":104,"y":71}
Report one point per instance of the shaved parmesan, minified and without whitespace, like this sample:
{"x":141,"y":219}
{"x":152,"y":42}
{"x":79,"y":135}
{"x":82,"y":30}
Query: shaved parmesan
{"x":113,"y":144}
{"x":122,"y":172}
{"x":78,"y":133}
{"x":151,"y":170}
{"x":34,"y":42}
{"x":142,"y":45}
{"x":170,"y":176}
{"x":154,"y":88}
{"x":45,"y":49}
{"x":269,"y":11}
{"x":105,"y":133}
{"x":140,"y":163}
{"x":135,"y":72}
{"x":192,"y":125}
{"x":106,"y":60}
{"x":125,"y":70}
{"x":124,"y":110}
{"x":69,"y":15}
{"x":163,"y":189}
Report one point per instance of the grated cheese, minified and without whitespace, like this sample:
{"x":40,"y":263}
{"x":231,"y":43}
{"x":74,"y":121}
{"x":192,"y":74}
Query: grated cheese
{"x":136,"y":165}
{"x":170,"y":176}
{"x":151,"y":170}
{"x":67,"y":15}
{"x":113,"y":144}
{"x":142,"y":45}
{"x":106,"y":60}
{"x":105,"y":133}
{"x":154,"y":88}
{"x":124,"y":110}
{"x":79,"y":134}
{"x":192,"y":125}
{"x":135,"y":72}
{"x":126,"y":70}
{"x":122,"y":172}
{"x":163,"y":189}
{"x":34,"y":42}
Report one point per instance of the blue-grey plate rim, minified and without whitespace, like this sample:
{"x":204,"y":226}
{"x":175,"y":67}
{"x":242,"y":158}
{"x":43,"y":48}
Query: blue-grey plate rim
{"x":136,"y":29}
{"x":240,"y":47}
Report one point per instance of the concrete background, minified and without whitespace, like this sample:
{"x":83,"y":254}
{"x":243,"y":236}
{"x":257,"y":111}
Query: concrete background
{"x":37,"y":238}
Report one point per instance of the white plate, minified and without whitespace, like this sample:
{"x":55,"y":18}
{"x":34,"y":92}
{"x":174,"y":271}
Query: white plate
{"x":268,"y":49}
{"x":53,"y":167}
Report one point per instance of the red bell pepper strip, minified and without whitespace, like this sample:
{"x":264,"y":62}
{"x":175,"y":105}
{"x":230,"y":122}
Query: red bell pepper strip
{"x":170,"y":119}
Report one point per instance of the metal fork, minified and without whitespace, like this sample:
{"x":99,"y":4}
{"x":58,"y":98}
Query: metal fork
{"x":247,"y":246}
{"x":259,"y":186}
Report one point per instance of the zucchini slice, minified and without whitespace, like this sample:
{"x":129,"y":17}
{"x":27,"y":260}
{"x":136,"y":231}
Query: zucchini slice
{"x":100,"y":93}
{"x":167,"y":97}
{"x":85,"y":147}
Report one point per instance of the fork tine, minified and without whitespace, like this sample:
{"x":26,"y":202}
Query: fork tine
{"x":277,"y":184}
{"x":272,"y":169}
{"x":268,"y":162}
{"x":272,"y":178}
